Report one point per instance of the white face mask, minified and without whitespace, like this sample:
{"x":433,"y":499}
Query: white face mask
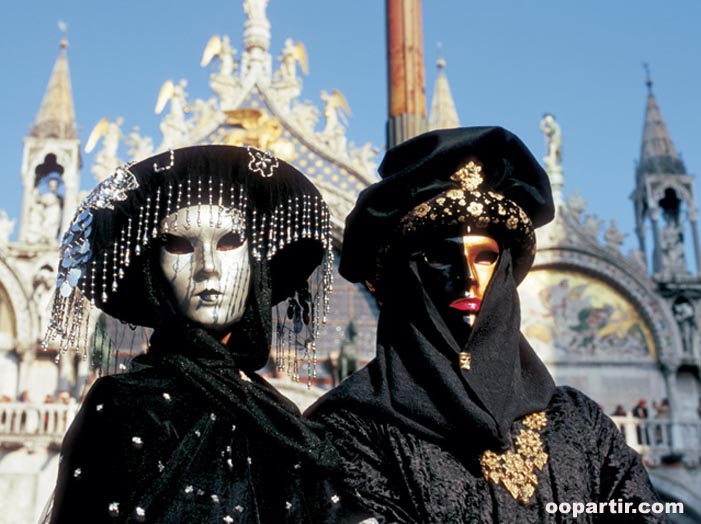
{"x":206,"y":263}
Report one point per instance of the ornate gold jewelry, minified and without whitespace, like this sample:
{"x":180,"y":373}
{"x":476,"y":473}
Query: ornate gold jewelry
{"x":469,"y":176}
{"x":516,"y":469}
{"x":465,"y":360}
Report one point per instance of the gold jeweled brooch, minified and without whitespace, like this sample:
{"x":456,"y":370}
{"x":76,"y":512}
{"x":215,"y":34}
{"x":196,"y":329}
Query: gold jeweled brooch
{"x":516,"y":469}
{"x":469,"y":176}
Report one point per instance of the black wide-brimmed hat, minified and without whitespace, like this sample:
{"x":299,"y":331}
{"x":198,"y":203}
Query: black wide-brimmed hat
{"x":481,"y":177}
{"x":115,"y":229}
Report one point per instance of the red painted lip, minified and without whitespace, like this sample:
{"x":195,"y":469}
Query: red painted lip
{"x":471,"y":305}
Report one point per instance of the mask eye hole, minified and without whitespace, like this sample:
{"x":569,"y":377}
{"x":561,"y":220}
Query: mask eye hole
{"x":177,"y":245}
{"x":440,"y":254}
{"x":486,"y":257}
{"x":229,"y":241}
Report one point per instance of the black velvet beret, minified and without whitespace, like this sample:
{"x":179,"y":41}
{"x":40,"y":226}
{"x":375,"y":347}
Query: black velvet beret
{"x":422,"y":168}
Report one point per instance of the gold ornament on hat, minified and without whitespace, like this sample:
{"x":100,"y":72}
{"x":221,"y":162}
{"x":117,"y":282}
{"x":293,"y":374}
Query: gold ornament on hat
{"x":469,"y":176}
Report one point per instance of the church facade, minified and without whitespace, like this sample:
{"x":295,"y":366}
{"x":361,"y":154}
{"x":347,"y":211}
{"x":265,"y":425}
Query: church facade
{"x":621,"y":327}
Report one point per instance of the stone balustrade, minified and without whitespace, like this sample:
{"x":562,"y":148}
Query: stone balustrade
{"x":662,"y":439}
{"x":34,"y":425}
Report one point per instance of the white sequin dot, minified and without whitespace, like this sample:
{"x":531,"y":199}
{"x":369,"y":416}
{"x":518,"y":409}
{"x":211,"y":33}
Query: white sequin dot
{"x":140,"y":514}
{"x":166,"y":396}
{"x":189,"y":489}
{"x":213,"y":416}
{"x":297,"y":466}
{"x":230,"y":463}
{"x":228,"y":519}
{"x":137,"y":442}
{"x":288,"y":505}
{"x":99,"y":407}
{"x":215,"y":499}
{"x":335,"y":499}
{"x":248,"y":459}
{"x":197,"y":432}
{"x":114,"y":509}
{"x":161,"y":467}
{"x":238,"y":508}
{"x":233,"y":427}
{"x":77,"y":472}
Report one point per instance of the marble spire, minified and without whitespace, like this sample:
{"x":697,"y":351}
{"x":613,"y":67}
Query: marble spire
{"x":657,"y":153}
{"x":56,"y":117}
{"x":443,"y":113}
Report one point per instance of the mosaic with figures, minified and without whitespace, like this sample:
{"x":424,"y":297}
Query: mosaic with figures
{"x":569,"y":315}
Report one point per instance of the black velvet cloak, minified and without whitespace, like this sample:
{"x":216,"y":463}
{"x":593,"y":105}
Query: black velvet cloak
{"x":185,"y":437}
{"x":411,"y":426}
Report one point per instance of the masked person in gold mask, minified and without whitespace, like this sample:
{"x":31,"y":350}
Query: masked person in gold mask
{"x":457,"y":419}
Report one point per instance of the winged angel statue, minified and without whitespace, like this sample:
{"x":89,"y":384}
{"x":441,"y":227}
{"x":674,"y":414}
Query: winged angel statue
{"x":174,"y":127}
{"x":336,"y":112}
{"x":292,"y":54}
{"x":223,"y":82}
{"x":106,"y":160}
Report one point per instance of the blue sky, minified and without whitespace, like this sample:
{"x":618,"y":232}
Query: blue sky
{"x":508,"y":62}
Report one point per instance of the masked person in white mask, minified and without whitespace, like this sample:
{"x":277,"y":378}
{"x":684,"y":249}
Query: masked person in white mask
{"x":199,"y":244}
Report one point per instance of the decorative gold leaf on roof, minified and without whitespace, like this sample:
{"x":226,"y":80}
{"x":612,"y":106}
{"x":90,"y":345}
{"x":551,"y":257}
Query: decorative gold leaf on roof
{"x":469,"y":176}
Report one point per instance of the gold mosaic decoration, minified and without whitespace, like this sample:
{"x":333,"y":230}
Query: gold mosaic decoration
{"x":516,"y":470}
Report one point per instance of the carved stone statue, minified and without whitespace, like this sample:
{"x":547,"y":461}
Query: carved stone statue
{"x":43,"y":283}
{"x":672,"y":250}
{"x":613,"y":236}
{"x":140,"y":147}
{"x":335,"y":110}
{"x":255,"y":11}
{"x":45,"y":214}
{"x":106,"y":160}
{"x":174,"y":126}
{"x":222,"y":82}
{"x":576,"y":205}
{"x":686,"y":319}
{"x":592,"y":224}
{"x":6,"y":227}
{"x":553,"y":141}
{"x":291,"y":55}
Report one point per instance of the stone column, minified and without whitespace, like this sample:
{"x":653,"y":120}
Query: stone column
{"x":656,"y":254}
{"x":669,"y":371}
{"x":693,"y":220}
{"x":26,"y":359}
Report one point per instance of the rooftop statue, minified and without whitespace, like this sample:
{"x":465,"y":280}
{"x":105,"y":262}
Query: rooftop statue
{"x":174,"y":126}
{"x":106,"y":160}
{"x":553,"y":141}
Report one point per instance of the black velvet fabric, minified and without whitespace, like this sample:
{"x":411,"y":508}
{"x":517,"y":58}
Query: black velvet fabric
{"x":415,"y":380}
{"x":410,"y":479}
{"x":185,"y":438}
{"x":161,"y":439}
